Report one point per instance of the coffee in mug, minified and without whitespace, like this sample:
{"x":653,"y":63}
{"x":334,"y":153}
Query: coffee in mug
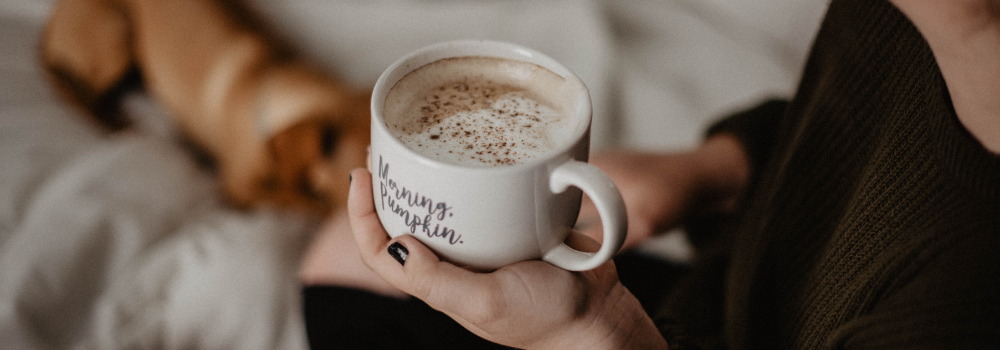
{"x":479,"y":150}
{"x":481,"y":111}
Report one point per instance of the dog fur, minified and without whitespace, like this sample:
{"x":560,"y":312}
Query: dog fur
{"x":280,"y":131}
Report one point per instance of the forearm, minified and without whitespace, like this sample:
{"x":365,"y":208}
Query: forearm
{"x":661,"y":190}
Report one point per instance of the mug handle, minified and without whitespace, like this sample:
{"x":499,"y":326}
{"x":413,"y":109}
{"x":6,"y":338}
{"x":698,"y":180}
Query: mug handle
{"x":609,"y":204}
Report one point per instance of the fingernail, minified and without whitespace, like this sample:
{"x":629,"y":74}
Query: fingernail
{"x":399,"y":252}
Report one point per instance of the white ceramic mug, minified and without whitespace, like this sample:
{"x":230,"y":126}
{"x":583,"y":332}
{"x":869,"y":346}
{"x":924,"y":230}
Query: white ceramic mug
{"x":488,"y":217}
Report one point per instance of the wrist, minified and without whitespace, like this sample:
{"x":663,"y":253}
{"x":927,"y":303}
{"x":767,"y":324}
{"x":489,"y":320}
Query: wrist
{"x":631,"y":327}
{"x":620,"y":323}
{"x":723,"y":171}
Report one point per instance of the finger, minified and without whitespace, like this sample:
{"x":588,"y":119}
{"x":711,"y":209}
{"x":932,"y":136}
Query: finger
{"x":368,"y":231}
{"x":415,"y":269}
{"x":369,"y":235}
{"x":458,"y":292}
{"x":368,"y":158}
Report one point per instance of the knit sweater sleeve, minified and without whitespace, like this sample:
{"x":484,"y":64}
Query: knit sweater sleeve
{"x":946,"y":300}
{"x":755,"y":129}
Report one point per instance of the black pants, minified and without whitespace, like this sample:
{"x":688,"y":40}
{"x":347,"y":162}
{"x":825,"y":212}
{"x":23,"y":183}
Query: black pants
{"x":346,"y":318}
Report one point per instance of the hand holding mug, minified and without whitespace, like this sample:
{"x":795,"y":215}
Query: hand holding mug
{"x":530,"y":304}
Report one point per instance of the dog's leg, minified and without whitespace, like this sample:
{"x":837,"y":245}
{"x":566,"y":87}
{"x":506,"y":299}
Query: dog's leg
{"x":275,"y":125}
{"x":85,"y":49}
{"x":258,"y":108}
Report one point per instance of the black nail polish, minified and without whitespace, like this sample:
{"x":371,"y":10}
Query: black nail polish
{"x":399,"y":252}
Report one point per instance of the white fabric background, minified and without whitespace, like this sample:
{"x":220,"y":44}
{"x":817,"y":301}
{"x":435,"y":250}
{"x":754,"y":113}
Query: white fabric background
{"x":120,"y":241}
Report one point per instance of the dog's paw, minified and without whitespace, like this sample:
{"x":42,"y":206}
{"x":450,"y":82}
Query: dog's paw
{"x":85,"y":50}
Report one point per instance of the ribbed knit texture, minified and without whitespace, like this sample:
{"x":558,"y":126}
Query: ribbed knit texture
{"x":874,"y":217}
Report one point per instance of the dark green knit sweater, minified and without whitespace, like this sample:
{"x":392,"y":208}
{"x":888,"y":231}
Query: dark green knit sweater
{"x":873,"y":220}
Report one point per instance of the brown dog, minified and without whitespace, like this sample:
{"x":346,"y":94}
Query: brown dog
{"x":281,"y":132}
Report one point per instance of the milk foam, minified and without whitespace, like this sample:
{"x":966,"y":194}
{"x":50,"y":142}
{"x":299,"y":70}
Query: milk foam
{"x":482,"y":111}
